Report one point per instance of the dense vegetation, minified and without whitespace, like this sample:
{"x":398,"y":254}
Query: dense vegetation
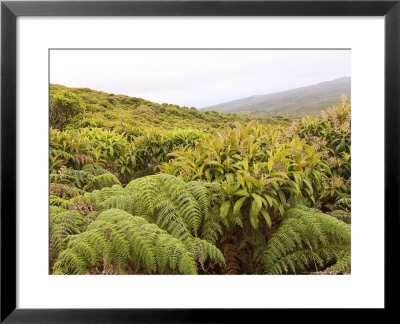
{"x":133,"y":116}
{"x":144,"y":188}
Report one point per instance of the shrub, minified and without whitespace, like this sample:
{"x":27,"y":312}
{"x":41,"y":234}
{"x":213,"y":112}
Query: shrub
{"x":63,"y":106}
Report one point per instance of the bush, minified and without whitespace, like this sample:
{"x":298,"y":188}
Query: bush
{"x":63,"y":106}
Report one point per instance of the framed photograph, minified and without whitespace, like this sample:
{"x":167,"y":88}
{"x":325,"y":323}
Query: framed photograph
{"x":164,"y":158}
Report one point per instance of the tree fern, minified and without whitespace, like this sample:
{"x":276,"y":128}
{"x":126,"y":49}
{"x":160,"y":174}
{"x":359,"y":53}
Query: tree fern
{"x":60,"y":178}
{"x":58,"y":201}
{"x":62,"y":224}
{"x":344,"y":262}
{"x":307,"y":240}
{"x":63,"y":190}
{"x":211,"y":228}
{"x":182,"y":209}
{"x":343,"y":215}
{"x":97,"y":197}
{"x":127,"y":243}
{"x":345,"y":201}
{"x":91,"y":177}
{"x":79,"y":178}
{"x":102,"y":181}
{"x":94,"y":169}
{"x":165,"y":195}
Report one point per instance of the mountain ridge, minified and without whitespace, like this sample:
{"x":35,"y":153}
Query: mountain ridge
{"x":297,"y":102}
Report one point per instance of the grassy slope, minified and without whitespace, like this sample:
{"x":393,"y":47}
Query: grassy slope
{"x":299,"y":102}
{"x":137,"y":115}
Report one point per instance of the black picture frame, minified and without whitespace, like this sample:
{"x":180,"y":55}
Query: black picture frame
{"x":10,"y":10}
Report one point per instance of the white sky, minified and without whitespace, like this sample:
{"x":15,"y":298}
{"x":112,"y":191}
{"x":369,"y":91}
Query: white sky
{"x":196,"y":78}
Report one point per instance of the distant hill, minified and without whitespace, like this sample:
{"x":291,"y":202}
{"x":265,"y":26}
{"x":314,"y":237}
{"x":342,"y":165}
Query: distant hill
{"x":310,"y":100}
{"x":137,"y":115}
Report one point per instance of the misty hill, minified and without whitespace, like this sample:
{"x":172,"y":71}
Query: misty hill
{"x":136,"y":115}
{"x":309,"y":100}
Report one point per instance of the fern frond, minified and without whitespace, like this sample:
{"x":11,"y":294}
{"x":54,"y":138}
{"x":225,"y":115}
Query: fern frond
{"x":94,"y":169}
{"x":130,"y":243}
{"x":57,"y":201}
{"x":97,"y":197}
{"x":62,"y":224}
{"x":344,"y":261}
{"x":63,"y":191}
{"x":211,"y":229}
{"x":343,"y":215}
{"x":105,"y":180}
{"x":306,"y":239}
{"x":60,"y":178}
{"x":172,"y":203}
{"x":79,"y":178}
{"x":345,"y":201}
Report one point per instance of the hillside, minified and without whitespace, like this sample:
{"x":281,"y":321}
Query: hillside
{"x":253,"y":199}
{"x":135,"y":115}
{"x":298,"y":102}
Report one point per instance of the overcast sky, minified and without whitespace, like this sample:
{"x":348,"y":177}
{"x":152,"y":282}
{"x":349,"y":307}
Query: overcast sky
{"x":196,"y":78}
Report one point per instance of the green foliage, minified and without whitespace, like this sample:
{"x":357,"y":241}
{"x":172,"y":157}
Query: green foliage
{"x":152,"y":148}
{"x":182,"y":209}
{"x":222,"y":202}
{"x":94,"y":169}
{"x":96,"y":197}
{"x":64,"y":105}
{"x":258,"y":168}
{"x":343,"y":215}
{"x":62,"y":224}
{"x":135,"y":116}
{"x":79,"y":178}
{"x":90,"y":149}
{"x":76,"y":148}
{"x":89,"y":178}
{"x":331,"y":133}
{"x":63,"y":191}
{"x":344,"y":262}
{"x":121,"y":243}
{"x":308,"y":240}
{"x":103,"y":181}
